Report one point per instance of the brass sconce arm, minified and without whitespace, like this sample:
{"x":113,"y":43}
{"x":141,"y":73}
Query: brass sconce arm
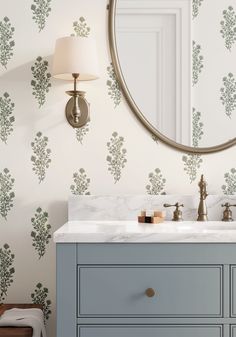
{"x":77,"y":108}
{"x":75,"y":111}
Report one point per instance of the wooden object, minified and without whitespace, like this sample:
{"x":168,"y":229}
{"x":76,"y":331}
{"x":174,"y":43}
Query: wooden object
{"x":157,"y":219}
{"x":154,"y":217}
{"x":150,"y":219}
{"x":16,"y":331}
{"x":160,"y":214}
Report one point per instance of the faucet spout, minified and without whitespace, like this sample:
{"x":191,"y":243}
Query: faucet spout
{"x":202,"y":208}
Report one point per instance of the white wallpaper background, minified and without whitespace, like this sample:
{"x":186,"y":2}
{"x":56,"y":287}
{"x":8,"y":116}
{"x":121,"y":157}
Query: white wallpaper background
{"x":36,"y":200}
{"x":214,"y":89}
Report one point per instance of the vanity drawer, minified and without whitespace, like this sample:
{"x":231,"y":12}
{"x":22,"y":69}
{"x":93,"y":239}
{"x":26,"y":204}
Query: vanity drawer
{"x":180,"y":291}
{"x":151,"y":331}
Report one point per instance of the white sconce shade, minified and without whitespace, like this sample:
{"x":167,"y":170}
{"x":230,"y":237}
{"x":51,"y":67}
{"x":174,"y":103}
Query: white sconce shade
{"x":75,"y":55}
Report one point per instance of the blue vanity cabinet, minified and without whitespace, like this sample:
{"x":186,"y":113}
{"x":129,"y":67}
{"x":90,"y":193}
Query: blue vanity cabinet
{"x":101,"y":290}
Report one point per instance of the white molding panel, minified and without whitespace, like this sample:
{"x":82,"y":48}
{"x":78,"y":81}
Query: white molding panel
{"x":163,"y":89}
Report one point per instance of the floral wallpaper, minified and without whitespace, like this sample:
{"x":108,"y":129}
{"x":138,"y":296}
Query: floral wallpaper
{"x":6,"y":270}
{"x":6,"y":118}
{"x":43,"y":160}
{"x":228,"y":94}
{"x":41,"y":80}
{"x":41,"y":10}
{"x":228,"y":27}
{"x":6,"y":41}
{"x":41,"y":156}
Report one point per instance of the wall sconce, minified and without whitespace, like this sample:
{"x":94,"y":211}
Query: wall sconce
{"x":75,"y":58}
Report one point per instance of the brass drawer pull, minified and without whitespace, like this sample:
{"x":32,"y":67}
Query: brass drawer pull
{"x":150,"y":292}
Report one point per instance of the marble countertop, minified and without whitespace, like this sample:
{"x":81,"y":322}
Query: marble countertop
{"x":132,"y":231}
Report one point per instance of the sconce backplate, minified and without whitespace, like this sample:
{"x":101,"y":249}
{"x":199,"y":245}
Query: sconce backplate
{"x":84,"y":108}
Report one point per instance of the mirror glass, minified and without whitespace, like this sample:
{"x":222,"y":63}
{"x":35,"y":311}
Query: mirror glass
{"x":178,"y":62}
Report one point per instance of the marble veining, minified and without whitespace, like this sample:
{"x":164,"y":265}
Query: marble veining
{"x":132,"y":231}
{"x":127,"y":207}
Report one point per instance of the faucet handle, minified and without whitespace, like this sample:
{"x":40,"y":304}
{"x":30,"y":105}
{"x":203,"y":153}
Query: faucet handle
{"x":227,"y":214}
{"x":177,"y":214}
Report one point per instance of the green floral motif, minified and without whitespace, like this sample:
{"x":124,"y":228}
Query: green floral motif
{"x":81,"y":133}
{"x":157,"y":183}
{"x":197,"y":62}
{"x":6,"y":270}
{"x":6,"y":41}
{"x":6,"y":118}
{"x":192,"y":162}
{"x":81,"y":28}
{"x":41,"y":10}
{"x":228,"y":94}
{"x":113,"y":86}
{"x":41,"y":82}
{"x":117,"y":156}
{"x":230,"y":182}
{"x":6,"y":193}
{"x":197,"y":127}
{"x":228,"y":27}
{"x":40,"y":296}
{"x":41,"y":234}
{"x":196,"y":4}
{"x":81,"y":183}
{"x":41,"y":158}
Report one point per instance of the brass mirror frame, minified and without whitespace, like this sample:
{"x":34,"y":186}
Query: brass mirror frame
{"x":117,"y":68}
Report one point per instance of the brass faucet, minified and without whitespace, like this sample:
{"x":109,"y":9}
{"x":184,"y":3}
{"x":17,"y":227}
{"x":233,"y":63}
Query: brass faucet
{"x":202,"y":208}
{"x":227,"y":214}
{"x":177,"y":215}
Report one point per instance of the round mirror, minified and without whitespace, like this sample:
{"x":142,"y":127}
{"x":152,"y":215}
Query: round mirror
{"x":179,"y":88}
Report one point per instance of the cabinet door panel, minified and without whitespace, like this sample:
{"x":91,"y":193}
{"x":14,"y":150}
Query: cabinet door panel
{"x":233,"y":331}
{"x":150,"y":331}
{"x":233,"y":291}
